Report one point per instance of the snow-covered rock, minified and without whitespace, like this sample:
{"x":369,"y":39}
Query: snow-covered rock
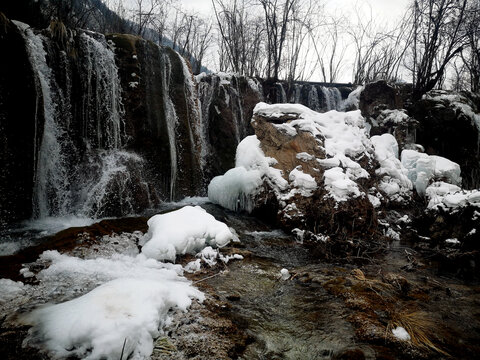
{"x":300,"y":163}
{"x":186,"y":230}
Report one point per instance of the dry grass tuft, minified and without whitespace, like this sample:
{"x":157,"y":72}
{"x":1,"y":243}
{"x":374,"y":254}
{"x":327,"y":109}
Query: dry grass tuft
{"x":419,"y":326}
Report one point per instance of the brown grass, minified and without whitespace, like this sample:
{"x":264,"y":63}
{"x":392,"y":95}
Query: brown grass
{"x":419,"y":326}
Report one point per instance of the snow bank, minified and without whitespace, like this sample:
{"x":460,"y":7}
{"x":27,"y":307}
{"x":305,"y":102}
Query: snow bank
{"x":186,"y":230}
{"x":423,"y":168}
{"x":236,"y":189}
{"x":97,"y":325}
{"x":92,"y":272}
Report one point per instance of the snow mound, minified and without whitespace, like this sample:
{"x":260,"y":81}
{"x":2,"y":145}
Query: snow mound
{"x":186,"y":230}
{"x":304,"y":182}
{"x":339,"y":185}
{"x":423,"y":168}
{"x":123,"y":313}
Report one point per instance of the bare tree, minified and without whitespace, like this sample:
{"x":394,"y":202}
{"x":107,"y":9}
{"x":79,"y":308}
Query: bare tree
{"x":144,"y":14}
{"x":471,"y":52}
{"x":437,"y":38}
{"x":240,"y":36}
{"x":200,"y":42}
{"x":329,"y":48}
{"x":277,"y":21}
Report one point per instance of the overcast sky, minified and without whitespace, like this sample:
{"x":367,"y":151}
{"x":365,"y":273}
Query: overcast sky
{"x":385,"y":9}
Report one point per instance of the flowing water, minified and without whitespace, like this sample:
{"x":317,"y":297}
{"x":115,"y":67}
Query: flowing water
{"x":286,"y":319}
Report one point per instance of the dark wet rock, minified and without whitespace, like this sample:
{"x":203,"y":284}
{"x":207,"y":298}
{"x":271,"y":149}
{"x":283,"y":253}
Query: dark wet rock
{"x":453,"y":239}
{"x":150,"y":76}
{"x":226,"y":104}
{"x":448,"y":127}
{"x":18,"y":129}
{"x":381,"y":95}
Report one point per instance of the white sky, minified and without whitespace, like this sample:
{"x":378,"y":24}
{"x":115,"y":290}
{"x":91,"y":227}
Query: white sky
{"x":387,"y":9}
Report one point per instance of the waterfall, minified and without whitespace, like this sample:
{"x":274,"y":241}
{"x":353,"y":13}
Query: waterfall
{"x":80,"y":166}
{"x":313,"y":100}
{"x":171,"y":120}
{"x":101,"y":96}
{"x":112,"y":172}
{"x":333,"y":98}
{"x":50,"y":191}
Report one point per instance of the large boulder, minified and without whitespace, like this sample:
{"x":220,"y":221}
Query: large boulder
{"x":310,"y":173}
{"x":449,"y":126}
{"x":226,"y":103}
{"x":381,"y":95}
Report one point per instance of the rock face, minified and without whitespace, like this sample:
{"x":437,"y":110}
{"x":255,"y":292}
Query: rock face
{"x":449,"y":126}
{"x":161,"y":114}
{"x":226,"y":103}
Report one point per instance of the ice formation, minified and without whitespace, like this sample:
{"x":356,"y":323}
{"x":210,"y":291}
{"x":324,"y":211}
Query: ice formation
{"x":423,"y":169}
{"x":236,"y":189}
{"x":395,"y":181}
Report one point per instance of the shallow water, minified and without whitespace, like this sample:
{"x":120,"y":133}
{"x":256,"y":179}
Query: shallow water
{"x":285,"y":318}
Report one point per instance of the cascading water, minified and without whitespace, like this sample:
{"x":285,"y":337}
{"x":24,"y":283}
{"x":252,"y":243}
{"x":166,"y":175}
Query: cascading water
{"x":84,"y":175}
{"x":313,"y":101}
{"x":50,"y":179}
{"x":101,"y":94}
{"x":333,"y":98}
{"x":171,"y":120}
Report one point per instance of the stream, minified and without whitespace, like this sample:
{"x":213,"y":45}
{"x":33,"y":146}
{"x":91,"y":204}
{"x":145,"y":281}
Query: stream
{"x":321,"y":312}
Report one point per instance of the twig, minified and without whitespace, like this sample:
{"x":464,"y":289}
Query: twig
{"x":123,"y":348}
